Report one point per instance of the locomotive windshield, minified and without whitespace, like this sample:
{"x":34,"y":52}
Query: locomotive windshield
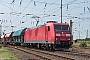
{"x":62,"y":28}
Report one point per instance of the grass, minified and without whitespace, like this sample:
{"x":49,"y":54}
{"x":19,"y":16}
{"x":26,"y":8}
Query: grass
{"x":88,"y":44}
{"x":77,"y":44}
{"x":6,"y":54}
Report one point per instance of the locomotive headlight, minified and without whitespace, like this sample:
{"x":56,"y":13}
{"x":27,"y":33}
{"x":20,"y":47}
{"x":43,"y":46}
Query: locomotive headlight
{"x":56,"y":38}
{"x":67,"y":34}
{"x":68,"y":39}
{"x":57,"y":34}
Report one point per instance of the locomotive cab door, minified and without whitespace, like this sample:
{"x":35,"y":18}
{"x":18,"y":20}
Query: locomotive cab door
{"x":47,"y":32}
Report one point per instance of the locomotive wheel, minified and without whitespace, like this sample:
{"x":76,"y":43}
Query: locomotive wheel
{"x":46,"y":47}
{"x":42,"y":46}
{"x":51,"y":47}
{"x":38,"y":45}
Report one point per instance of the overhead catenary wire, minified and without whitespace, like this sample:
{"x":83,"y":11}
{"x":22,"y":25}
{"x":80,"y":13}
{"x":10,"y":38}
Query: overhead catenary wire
{"x":52,"y":10}
{"x":57,"y":10}
{"x":34,"y":4}
{"x":45,"y":5}
{"x":78,"y":6}
{"x":23,"y":9}
{"x":12,"y":9}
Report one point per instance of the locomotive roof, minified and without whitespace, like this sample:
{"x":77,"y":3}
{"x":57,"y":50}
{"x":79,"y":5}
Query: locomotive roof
{"x":38,"y":26}
{"x":48,"y":24}
{"x":62,"y":23}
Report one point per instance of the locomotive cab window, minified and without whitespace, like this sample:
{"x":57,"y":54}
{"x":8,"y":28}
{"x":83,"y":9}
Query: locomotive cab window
{"x":57,"y":27}
{"x":65,"y":28}
{"x":48,"y":28}
{"x":61,"y":27}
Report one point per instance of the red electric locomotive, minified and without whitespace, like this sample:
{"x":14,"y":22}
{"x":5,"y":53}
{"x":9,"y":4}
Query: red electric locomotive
{"x":52,"y":35}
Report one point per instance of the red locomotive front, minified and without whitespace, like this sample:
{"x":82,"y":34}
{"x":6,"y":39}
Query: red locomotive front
{"x":63,"y":35}
{"x":53,"y":35}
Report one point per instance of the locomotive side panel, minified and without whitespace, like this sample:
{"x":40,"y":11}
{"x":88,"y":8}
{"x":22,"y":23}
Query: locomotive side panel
{"x":38,"y":35}
{"x":50,"y":33}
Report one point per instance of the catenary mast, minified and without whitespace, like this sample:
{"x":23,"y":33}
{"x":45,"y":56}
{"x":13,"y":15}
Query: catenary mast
{"x":61,"y":11}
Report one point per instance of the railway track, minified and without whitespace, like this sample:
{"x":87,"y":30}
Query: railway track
{"x":44,"y":55}
{"x":76,"y":55}
{"x":71,"y":54}
{"x":80,"y":53}
{"x":56,"y":55}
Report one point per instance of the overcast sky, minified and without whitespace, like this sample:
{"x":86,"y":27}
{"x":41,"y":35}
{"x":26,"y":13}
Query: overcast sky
{"x":20,"y":13}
